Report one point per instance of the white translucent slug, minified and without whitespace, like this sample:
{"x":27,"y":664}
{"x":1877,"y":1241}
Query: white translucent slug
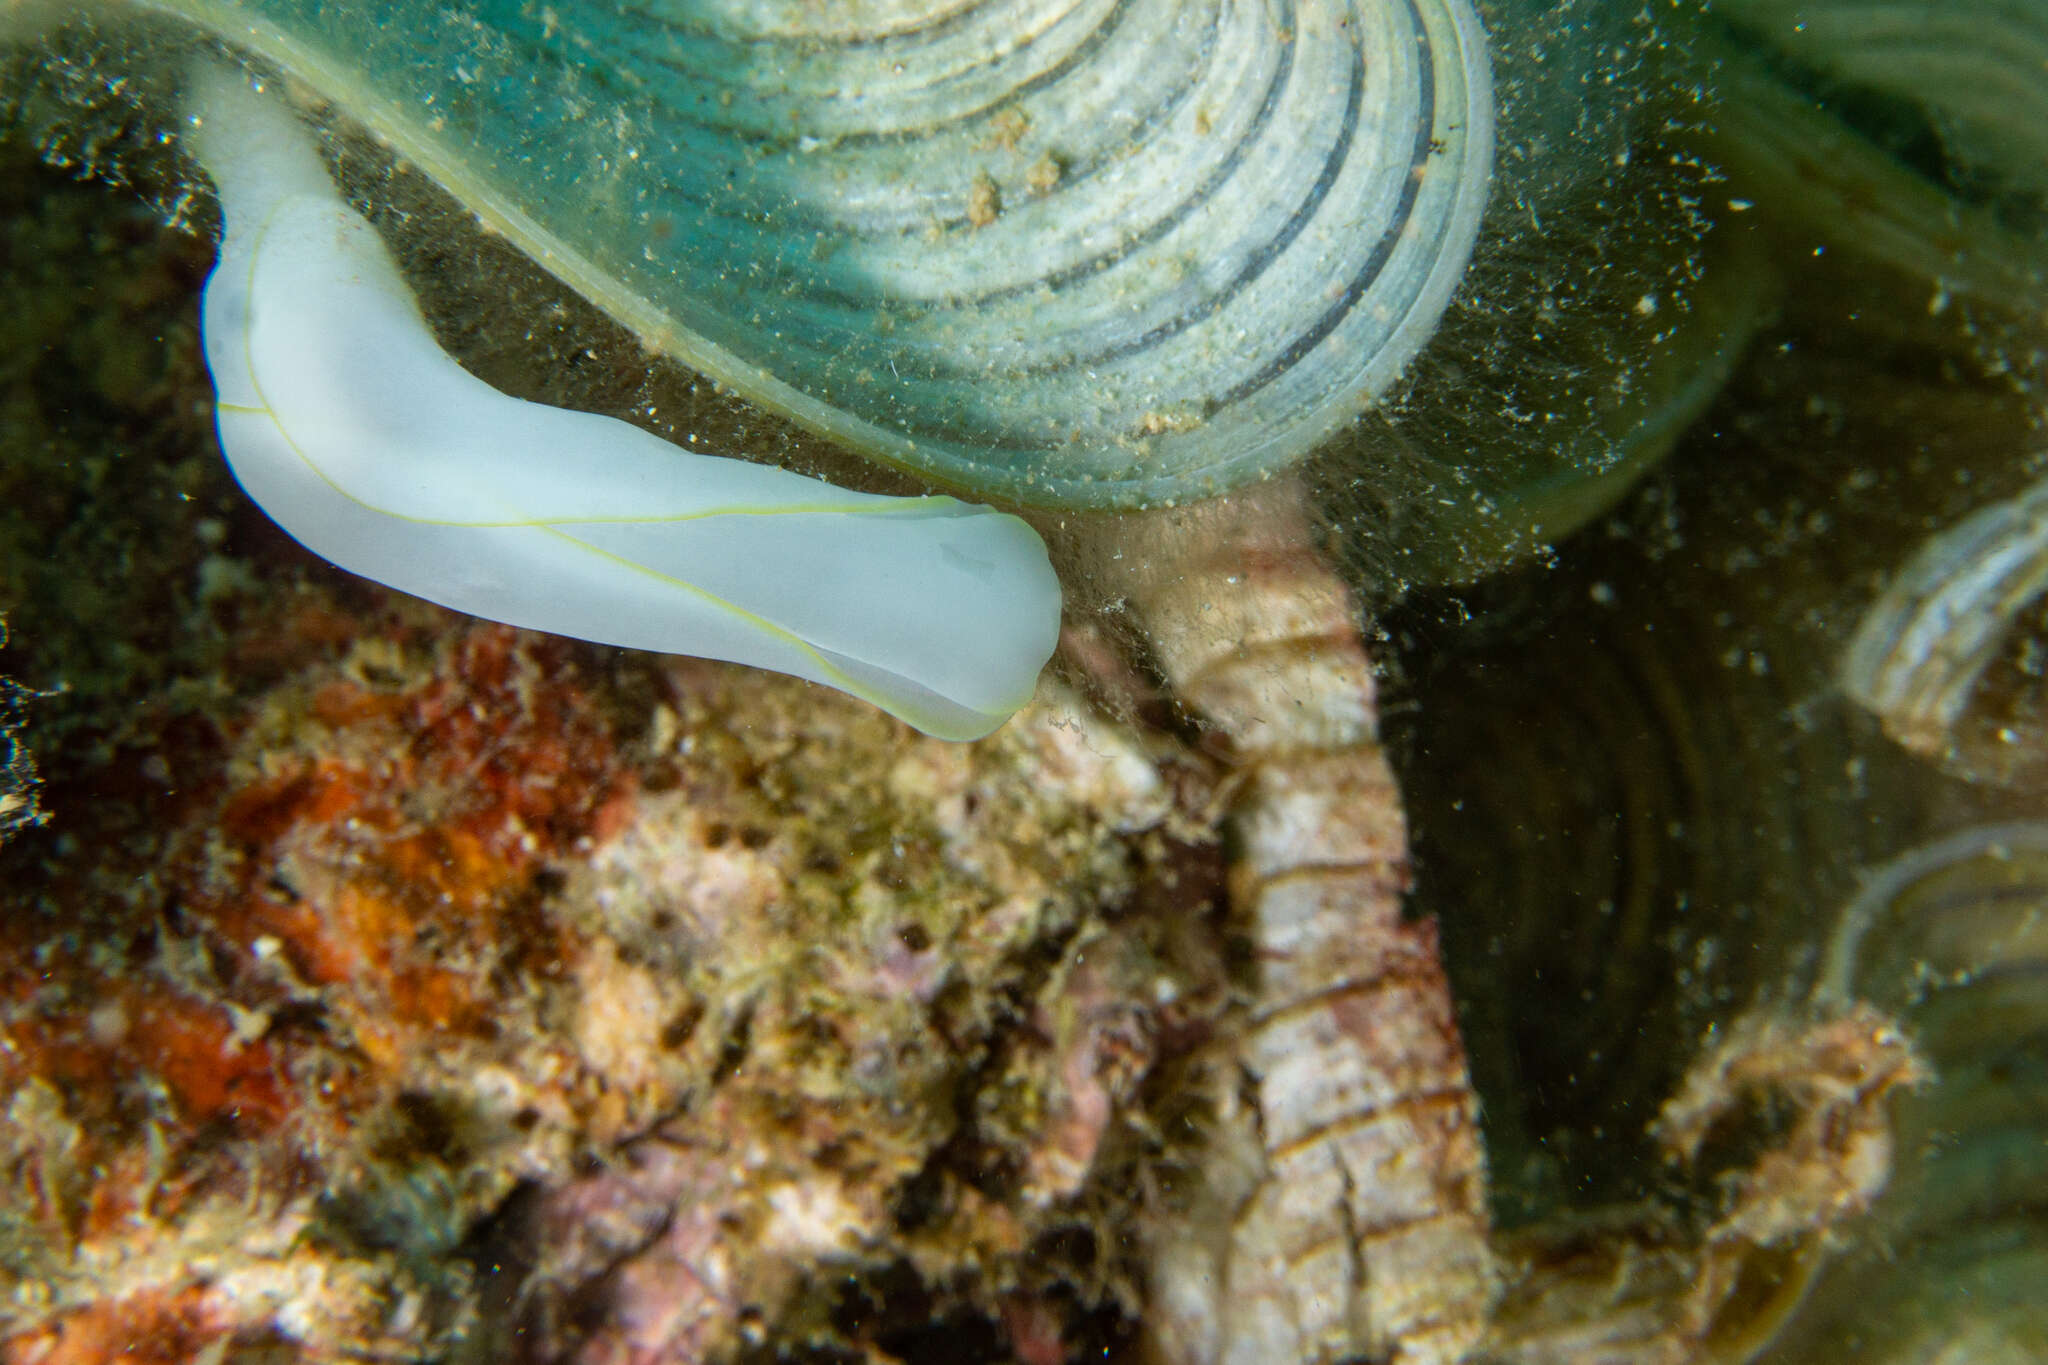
{"x":357,"y":434}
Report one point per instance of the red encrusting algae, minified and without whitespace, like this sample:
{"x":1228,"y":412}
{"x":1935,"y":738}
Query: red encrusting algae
{"x":388,"y":857}
{"x":339,"y":890}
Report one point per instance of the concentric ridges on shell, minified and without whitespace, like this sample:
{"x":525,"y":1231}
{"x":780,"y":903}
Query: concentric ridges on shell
{"x":1082,"y":251}
{"x":1923,"y":649}
{"x":1972,"y":65}
{"x":1953,"y":935}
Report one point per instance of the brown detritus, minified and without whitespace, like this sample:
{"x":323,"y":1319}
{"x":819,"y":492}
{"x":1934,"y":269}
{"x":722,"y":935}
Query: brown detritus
{"x":984,"y":200}
{"x":1157,"y":423}
{"x":1043,"y":176}
{"x":1836,"y":1075}
{"x":1805,"y":1105}
{"x":1834,"y":1157}
{"x":1007,"y":128}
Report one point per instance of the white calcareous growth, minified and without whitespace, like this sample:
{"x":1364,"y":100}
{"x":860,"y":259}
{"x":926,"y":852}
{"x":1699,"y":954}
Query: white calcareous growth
{"x":346,"y":422}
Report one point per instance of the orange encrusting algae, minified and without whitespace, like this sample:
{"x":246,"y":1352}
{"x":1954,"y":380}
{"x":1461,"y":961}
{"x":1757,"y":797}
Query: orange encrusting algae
{"x":153,"y":1327}
{"x":338,"y":884}
{"x":383,"y":861}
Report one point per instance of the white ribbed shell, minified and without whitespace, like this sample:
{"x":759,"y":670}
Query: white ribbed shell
{"x":1079,"y":251}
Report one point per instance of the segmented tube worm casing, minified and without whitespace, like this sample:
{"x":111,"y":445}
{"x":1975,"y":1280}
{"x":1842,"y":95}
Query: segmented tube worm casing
{"x":1364,"y":1230}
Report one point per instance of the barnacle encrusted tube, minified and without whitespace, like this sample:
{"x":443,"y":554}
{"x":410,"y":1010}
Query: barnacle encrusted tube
{"x":347,"y":423}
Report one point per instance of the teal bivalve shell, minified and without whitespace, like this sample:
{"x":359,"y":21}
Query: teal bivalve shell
{"x":1953,"y":937}
{"x":1949,"y":656}
{"x":1060,"y":252}
{"x":1971,"y":67}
